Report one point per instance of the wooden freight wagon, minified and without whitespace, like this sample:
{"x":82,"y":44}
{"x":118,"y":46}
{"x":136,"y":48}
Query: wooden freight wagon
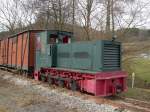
{"x":17,"y":51}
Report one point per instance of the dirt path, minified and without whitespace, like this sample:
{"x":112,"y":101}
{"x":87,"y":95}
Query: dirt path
{"x":17,"y":99}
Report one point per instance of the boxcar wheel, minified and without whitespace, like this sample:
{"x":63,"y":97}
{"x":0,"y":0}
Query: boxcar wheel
{"x":73,"y":85}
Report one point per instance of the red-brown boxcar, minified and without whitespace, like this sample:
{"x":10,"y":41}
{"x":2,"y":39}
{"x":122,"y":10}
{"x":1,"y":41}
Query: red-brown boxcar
{"x":17,"y":51}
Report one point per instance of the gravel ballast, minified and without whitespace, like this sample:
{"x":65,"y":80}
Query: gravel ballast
{"x":68,"y":101}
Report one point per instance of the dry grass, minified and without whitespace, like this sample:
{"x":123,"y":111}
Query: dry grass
{"x":3,"y":109}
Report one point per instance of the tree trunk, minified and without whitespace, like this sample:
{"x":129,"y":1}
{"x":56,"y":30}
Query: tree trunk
{"x":108,"y":16}
{"x":73,"y":15}
{"x":112,"y":15}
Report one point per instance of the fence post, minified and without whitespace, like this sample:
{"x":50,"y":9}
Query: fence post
{"x":133,"y":79}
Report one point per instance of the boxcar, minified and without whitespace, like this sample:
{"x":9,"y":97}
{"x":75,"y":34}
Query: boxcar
{"x":17,"y":51}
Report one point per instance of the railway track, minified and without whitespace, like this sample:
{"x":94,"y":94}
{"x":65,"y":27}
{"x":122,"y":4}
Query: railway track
{"x":116,"y":101}
{"x":123,"y":103}
{"x":141,"y":106}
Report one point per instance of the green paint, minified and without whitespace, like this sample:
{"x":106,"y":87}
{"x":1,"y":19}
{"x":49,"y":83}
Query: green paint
{"x":89,"y":55}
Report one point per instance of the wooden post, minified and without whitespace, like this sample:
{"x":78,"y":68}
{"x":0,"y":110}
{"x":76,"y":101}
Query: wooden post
{"x":133,"y":79}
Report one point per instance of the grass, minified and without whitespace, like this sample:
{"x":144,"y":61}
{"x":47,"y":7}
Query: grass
{"x":142,"y":69}
{"x":137,"y":93}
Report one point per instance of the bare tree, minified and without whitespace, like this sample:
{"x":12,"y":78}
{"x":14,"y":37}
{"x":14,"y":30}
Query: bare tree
{"x":108,"y":14}
{"x":15,"y":15}
{"x":28,"y":8}
{"x":122,"y":14}
{"x":134,"y":17}
{"x":56,"y":13}
{"x":73,"y":14}
{"x":9,"y":15}
{"x":86,"y":9}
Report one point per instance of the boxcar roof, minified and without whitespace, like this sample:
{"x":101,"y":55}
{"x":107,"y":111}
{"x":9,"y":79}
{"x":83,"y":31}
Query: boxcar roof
{"x":11,"y":36}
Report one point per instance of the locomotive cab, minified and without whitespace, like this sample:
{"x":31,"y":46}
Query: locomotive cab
{"x":46,"y":47}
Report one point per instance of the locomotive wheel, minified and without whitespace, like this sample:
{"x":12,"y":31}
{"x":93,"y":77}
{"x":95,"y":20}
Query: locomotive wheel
{"x":31,"y":75}
{"x":50,"y":81}
{"x":118,"y":89}
{"x":61,"y":83}
{"x":73,"y":85}
{"x":26,"y":74}
{"x":43,"y":78}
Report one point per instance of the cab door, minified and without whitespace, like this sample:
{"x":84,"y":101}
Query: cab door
{"x":53,"y":55}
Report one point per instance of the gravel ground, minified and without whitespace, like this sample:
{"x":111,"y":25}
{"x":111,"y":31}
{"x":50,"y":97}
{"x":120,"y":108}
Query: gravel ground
{"x":18,"y":99}
{"x":19,"y":94}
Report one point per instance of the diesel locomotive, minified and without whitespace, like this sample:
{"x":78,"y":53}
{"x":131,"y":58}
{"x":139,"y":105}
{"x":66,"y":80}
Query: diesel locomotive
{"x":56,"y":58}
